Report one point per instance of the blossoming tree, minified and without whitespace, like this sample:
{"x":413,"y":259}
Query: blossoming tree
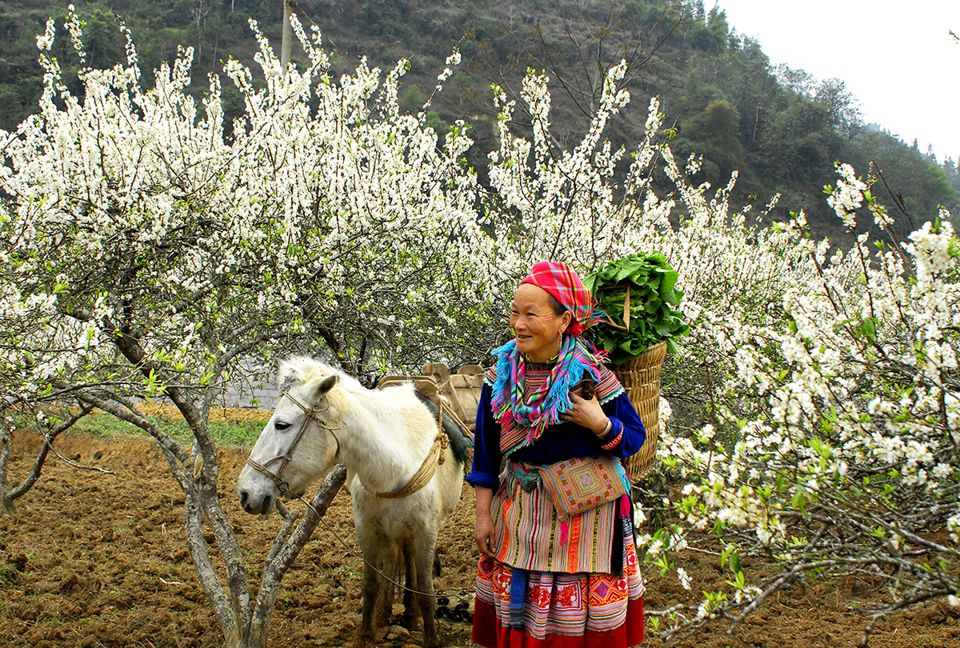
{"x":149,"y":255}
{"x":834,"y":447}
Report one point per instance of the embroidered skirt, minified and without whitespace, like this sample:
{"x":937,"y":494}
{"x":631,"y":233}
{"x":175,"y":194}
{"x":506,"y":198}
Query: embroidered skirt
{"x":561,"y":610}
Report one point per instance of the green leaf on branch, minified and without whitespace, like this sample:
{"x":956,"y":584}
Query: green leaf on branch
{"x":663,"y":563}
{"x":739,"y":582}
{"x":799,"y":502}
{"x":868,"y":327}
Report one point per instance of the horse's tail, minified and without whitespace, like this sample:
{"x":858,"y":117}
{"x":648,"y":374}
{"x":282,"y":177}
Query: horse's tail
{"x":461,"y":441}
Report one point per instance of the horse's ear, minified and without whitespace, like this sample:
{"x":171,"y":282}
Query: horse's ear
{"x":326,"y":385}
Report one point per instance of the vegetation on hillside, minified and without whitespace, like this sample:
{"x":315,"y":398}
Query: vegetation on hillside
{"x":783,"y":130}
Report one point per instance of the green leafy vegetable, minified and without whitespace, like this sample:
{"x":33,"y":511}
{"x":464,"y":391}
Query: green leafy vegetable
{"x":653,"y":296}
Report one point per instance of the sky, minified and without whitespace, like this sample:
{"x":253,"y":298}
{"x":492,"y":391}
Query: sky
{"x":897,"y":58}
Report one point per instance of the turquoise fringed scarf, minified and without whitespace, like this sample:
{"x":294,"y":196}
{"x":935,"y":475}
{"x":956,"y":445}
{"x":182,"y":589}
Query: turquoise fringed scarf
{"x":543,"y":408}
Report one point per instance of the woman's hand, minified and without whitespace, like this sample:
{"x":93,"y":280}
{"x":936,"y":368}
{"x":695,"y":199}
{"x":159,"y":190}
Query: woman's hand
{"x":483,"y":532}
{"x":588,"y":414}
{"x":483,"y":535}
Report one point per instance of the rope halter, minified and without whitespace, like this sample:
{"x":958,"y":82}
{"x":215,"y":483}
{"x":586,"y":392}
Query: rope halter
{"x":312,"y":416}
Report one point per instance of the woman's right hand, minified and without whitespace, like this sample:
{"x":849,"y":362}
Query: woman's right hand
{"x":483,"y":532}
{"x":483,"y":535}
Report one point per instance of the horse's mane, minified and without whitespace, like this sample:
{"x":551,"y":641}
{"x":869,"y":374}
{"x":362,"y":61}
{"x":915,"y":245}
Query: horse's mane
{"x":300,"y":370}
{"x":303,"y":369}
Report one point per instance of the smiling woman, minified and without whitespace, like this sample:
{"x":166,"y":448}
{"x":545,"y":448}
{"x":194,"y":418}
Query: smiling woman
{"x":538,"y":321}
{"x":559,"y":566}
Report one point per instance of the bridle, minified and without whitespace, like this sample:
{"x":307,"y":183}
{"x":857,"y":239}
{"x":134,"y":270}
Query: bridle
{"x":424,"y":474}
{"x":284,"y":459}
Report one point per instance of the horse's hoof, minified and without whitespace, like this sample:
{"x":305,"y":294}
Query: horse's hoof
{"x":361,"y":642}
{"x":413,"y":623}
{"x":434,"y":640}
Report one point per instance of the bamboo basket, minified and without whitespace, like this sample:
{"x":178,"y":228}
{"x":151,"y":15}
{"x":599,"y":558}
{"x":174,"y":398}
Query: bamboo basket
{"x":640,"y":378}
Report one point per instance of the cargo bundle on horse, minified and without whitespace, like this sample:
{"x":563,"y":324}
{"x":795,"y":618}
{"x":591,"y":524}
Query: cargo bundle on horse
{"x":390,"y":442}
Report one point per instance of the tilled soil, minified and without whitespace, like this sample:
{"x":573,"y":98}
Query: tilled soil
{"x":98,"y":559}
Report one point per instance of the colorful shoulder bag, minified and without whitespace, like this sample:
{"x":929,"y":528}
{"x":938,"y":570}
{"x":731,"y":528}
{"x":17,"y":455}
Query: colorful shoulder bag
{"x":582,"y":483}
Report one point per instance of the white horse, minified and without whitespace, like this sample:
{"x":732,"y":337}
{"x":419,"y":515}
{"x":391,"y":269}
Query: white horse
{"x":383,"y":437}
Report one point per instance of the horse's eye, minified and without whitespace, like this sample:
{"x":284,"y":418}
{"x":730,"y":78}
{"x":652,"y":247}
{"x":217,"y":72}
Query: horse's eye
{"x":280,"y":426}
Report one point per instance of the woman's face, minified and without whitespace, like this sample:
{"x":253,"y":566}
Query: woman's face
{"x":537,"y":330}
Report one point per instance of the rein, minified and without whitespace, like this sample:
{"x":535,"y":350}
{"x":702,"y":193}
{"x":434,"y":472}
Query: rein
{"x":283,"y":512}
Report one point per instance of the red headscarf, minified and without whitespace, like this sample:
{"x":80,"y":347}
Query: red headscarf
{"x":565,"y":286}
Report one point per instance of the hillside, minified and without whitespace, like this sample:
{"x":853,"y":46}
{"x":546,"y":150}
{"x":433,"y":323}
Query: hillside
{"x":781,"y":128}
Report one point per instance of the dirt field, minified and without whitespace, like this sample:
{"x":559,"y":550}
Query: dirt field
{"x":99,"y":560}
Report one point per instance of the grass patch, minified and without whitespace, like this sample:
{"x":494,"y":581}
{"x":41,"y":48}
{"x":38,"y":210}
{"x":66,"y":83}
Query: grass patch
{"x":104,"y":425}
{"x":225,"y":433}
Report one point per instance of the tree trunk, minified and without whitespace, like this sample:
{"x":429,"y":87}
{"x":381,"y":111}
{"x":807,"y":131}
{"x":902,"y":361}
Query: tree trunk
{"x":242,"y":626}
{"x":284,"y":553}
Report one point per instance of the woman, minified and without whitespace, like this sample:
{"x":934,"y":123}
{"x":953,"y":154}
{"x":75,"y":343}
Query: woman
{"x":547,"y":578}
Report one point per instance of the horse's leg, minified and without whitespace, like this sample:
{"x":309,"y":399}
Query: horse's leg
{"x":383,"y":608}
{"x":412,"y":616}
{"x":424,"y":550}
{"x":377,"y":552}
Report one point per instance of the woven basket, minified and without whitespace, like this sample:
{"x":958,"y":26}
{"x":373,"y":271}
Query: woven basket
{"x":640,"y":378}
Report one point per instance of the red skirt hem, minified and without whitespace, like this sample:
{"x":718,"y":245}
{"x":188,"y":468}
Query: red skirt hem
{"x":489,"y":633}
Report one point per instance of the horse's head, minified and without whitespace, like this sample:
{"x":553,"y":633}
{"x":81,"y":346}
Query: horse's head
{"x":299,"y":444}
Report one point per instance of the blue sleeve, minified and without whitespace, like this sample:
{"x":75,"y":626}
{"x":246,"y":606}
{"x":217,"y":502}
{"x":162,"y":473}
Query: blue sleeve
{"x":625,"y":423}
{"x":486,"y":445}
